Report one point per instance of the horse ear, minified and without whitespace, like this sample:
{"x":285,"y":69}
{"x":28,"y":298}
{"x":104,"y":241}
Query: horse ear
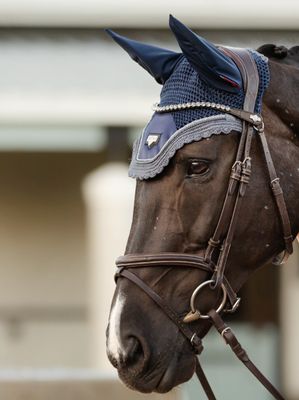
{"x":213,"y":66}
{"x":159,"y":62}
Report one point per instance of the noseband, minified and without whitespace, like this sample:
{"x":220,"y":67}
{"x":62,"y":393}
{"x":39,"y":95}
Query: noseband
{"x":216,"y":255}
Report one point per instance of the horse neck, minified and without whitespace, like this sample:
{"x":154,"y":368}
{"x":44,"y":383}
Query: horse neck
{"x":282,"y":96}
{"x":281,"y":115}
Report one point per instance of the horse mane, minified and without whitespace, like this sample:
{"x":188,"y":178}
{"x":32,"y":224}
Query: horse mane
{"x":281,"y":54}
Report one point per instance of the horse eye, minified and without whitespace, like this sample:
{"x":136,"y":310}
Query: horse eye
{"x":197,"y":167}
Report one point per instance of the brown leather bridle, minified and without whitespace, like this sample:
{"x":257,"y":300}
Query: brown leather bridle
{"x":215,"y":258}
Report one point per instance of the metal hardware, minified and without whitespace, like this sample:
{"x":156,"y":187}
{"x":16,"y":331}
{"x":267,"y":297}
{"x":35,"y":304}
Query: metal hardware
{"x":195,"y":314}
{"x":183,"y":106}
{"x":274,"y":181}
{"x":227,"y":329}
{"x":192,"y":338}
{"x":192,"y":316}
{"x":260,"y":128}
{"x":234,"y":306}
{"x":235,"y":164}
{"x":255,"y":118}
{"x":214,"y":243}
{"x":246,"y":159}
{"x":236,"y":170}
{"x":152,"y":139}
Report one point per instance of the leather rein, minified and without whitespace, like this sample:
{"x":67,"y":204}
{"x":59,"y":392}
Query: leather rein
{"x":216,"y":255}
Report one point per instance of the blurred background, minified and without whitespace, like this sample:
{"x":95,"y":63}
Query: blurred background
{"x":71,"y":104}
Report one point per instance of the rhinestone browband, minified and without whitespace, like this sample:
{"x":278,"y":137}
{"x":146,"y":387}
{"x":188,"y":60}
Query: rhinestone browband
{"x":184,"y":106}
{"x":254,"y":119}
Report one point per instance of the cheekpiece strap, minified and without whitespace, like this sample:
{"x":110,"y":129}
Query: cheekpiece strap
{"x":241,"y":169}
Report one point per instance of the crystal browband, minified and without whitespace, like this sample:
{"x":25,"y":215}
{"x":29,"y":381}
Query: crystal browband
{"x":184,"y":106}
{"x":254,"y":119}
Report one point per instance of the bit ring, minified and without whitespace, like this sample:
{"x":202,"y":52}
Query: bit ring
{"x":195,"y":293}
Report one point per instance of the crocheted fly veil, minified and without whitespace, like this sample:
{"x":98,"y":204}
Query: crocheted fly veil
{"x":198,"y":83}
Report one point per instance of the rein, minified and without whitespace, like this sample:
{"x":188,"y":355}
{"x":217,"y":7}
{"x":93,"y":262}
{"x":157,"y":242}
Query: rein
{"x":216,"y":255}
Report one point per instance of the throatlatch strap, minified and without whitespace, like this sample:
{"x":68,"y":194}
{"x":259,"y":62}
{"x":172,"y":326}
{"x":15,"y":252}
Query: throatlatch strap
{"x":241,"y":170}
{"x":278,"y":195}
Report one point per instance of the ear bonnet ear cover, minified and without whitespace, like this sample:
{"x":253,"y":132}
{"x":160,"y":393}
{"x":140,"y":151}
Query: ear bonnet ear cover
{"x":213,"y":66}
{"x":201,"y":73}
{"x":159,"y":62}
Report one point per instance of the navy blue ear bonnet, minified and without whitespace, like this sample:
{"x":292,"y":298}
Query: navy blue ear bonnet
{"x":202,"y":73}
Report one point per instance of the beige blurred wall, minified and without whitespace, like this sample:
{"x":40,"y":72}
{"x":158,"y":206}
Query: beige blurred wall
{"x":43,"y":259}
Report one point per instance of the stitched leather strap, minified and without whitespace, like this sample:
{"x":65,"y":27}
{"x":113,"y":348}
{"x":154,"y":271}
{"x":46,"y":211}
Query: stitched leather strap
{"x":192,"y":337}
{"x":196,"y":342}
{"x":171,"y":260}
{"x":278,"y":195}
{"x":204,"y":382}
{"x":163,"y":259}
{"x":230,"y":339}
{"x":241,"y":170}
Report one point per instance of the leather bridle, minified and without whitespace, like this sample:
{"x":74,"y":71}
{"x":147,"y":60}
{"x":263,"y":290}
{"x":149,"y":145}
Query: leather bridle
{"x":216,"y":255}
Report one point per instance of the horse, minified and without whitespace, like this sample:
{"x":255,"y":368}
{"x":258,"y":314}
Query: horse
{"x":180,"y":201}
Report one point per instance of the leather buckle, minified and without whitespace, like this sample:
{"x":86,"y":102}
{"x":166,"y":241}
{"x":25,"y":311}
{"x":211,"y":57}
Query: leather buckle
{"x":236,"y":170}
{"x":259,"y":126}
{"x":224,"y":331}
{"x":256,"y":119}
{"x":274,"y":182}
{"x":196,"y":343}
{"x":234,"y":306}
{"x":213,"y":243}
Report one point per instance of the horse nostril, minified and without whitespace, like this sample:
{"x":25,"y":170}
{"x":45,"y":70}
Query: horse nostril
{"x":133,"y":354}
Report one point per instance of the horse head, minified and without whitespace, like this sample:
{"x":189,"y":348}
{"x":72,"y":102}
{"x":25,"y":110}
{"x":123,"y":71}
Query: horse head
{"x":183,"y":164}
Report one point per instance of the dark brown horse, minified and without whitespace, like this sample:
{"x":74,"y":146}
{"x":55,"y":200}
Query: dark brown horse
{"x":177,"y":212}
